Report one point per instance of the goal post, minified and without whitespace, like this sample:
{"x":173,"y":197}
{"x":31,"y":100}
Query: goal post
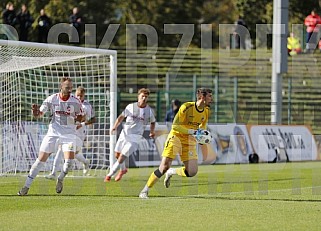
{"x":29,"y":73}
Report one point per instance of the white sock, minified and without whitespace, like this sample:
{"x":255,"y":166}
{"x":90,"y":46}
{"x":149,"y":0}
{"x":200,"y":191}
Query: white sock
{"x":145,"y":189}
{"x":122,"y":166}
{"x":35,"y":168}
{"x":114,"y":169}
{"x":57,"y":161}
{"x":172,"y":171}
{"x":65,"y":169}
{"x":80,"y":157}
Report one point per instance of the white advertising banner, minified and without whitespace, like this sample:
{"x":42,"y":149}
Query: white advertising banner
{"x":296,"y":141}
{"x":231,"y":143}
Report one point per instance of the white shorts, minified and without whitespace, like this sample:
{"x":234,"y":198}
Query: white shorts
{"x":67,"y":142}
{"x":127,"y":145}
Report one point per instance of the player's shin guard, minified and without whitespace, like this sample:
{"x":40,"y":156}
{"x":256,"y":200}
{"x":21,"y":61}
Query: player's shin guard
{"x":57,"y":161}
{"x":35,"y":168}
{"x":122,"y":166}
{"x":65,"y":169}
{"x":154,"y":178}
{"x":114,"y":168}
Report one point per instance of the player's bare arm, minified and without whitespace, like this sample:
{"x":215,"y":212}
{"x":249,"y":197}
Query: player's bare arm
{"x":80,"y":118}
{"x":91,"y":121}
{"x":118,"y":121}
{"x":86,"y":123}
{"x":36,"y":111}
{"x":152,"y":130}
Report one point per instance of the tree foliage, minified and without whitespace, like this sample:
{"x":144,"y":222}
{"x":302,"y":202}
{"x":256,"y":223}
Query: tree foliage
{"x":157,"y":13}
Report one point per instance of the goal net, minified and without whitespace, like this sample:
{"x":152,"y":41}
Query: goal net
{"x":29,"y":73}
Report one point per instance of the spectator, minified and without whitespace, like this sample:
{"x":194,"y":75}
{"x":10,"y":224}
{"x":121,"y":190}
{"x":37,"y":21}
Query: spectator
{"x":44,"y":24}
{"x":170,"y":114}
{"x":9,"y":15}
{"x":294,"y":45}
{"x":311,"y":22}
{"x":76,"y":20}
{"x":24,"y":20}
{"x":240,"y":33}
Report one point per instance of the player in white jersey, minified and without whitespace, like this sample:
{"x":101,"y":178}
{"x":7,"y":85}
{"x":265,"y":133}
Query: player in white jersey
{"x":137,"y":115}
{"x":66,"y":109}
{"x":81,"y":135}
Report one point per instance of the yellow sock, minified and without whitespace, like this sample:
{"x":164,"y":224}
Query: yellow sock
{"x":152,"y":180}
{"x":181,"y":171}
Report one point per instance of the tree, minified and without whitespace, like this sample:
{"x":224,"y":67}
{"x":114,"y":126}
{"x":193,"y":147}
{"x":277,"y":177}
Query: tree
{"x":157,"y":13}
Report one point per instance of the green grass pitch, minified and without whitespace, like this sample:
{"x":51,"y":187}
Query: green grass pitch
{"x":283,"y":196}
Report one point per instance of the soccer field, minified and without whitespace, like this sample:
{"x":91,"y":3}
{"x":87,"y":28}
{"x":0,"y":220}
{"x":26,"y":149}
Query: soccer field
{"x":283,"y":196}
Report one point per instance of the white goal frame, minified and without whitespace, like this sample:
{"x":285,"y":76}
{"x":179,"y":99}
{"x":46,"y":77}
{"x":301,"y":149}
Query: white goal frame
{"x":90,"y":51}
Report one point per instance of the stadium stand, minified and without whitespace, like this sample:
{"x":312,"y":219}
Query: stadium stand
{"x":246,"y":80}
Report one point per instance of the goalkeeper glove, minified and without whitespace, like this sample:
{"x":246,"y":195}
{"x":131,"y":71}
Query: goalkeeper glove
{"x":196,"y":132}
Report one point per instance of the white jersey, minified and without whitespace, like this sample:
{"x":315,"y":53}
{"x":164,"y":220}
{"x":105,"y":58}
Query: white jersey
{"x":89,"y":113}
{"x":137,"y":118}
{"x":63,"y":114}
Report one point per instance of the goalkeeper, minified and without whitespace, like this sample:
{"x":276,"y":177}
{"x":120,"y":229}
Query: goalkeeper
{"x":190,"y":117}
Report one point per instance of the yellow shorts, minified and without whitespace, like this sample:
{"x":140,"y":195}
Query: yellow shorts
{"x":174,"y":146}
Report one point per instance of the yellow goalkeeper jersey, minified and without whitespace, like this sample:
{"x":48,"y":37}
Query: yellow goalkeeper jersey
{"x":189,"y":117}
